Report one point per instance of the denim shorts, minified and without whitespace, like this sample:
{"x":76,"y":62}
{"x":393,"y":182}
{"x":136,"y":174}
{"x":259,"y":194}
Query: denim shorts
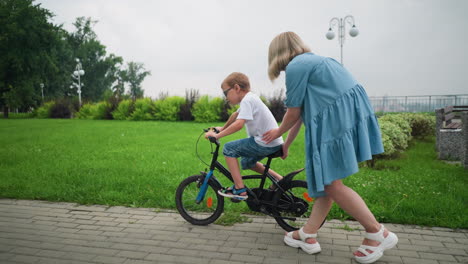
{"x":248,"y":150}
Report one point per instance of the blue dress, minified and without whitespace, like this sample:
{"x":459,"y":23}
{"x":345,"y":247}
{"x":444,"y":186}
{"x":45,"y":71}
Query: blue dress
{"x":341,"y":127}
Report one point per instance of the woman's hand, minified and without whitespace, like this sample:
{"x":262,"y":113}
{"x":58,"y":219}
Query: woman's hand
{"x":271,"y":135}
{"x":285,"y":151}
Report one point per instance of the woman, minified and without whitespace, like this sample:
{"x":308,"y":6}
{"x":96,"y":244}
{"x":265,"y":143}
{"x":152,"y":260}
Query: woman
{"x":341,"y":130}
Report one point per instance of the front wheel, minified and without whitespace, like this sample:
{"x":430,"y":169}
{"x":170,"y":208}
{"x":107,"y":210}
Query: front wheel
{"x":292,"y":207}
{"x":205,"y":212}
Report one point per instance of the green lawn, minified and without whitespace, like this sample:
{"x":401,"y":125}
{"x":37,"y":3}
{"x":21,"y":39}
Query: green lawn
{"x":141,"y":163}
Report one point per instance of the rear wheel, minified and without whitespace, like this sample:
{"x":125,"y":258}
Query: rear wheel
{"x":205,"y":212}
{"x":293,"y":205}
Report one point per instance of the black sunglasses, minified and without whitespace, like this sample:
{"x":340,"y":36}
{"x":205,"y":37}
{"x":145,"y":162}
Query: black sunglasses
{"x":225,"y":92}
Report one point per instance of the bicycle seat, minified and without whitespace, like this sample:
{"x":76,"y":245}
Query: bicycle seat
{"x":277,"y":154}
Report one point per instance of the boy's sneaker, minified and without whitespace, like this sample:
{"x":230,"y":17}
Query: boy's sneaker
{"x":234,"y":193}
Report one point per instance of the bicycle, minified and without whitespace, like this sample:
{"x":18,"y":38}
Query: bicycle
{"x":199,"y":203}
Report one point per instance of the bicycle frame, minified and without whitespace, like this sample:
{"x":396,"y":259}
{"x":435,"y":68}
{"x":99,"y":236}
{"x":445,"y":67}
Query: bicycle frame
{"x":215,"y":164}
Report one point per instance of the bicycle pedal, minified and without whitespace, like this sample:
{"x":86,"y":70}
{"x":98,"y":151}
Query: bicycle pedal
{"x":235,"y":200}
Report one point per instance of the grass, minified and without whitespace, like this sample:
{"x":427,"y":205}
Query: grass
{"x":140,"y":164}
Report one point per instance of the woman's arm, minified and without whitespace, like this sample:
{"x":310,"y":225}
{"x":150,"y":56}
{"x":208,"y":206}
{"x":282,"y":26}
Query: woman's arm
{"x":291,"y":117}
{"x":293,"y":132}
{"x":291,"y":136}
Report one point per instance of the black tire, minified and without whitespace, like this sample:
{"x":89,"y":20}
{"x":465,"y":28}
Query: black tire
{"x":293,"y":202}
{"x":208,"y":210}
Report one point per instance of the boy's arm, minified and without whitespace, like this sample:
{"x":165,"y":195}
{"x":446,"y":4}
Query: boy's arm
{"x":231,"y":120}
{"x":232,"y":128}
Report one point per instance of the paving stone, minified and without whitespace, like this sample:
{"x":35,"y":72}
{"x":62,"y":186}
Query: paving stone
{"x":43,"y":232}
{"x":463,"y":259}
{"x":132,"y":254}
{"x":247,"y":258}
{"x":427,"y":243}
{"x":139,"y":261}
{"x":408,"y":260}
{"x":433,"y":256}
{"x":108,"y":259}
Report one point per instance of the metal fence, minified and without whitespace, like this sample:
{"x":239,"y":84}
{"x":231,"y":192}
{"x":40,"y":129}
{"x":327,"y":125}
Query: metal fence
{"x":416,"y":103}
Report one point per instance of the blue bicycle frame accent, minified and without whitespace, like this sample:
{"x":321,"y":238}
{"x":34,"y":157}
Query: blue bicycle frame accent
{"x":204,"y":187}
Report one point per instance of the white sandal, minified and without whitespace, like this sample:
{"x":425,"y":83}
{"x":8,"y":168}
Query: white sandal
{"x":308,"y":248}
{"x":377,"y":252}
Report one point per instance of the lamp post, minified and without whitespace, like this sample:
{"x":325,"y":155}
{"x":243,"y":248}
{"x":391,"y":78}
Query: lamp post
{"x":42,"y":91}
{"x":341,"y":24}
{"x":76,"y":75}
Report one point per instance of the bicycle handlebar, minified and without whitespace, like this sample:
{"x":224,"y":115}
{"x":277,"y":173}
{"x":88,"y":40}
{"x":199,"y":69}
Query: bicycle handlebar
{"x":212,"y":139}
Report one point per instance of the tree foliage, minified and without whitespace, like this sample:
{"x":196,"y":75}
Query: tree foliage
{"x":27,"y":40}
{"x":34,"y":51}
{"x":134,"y":76}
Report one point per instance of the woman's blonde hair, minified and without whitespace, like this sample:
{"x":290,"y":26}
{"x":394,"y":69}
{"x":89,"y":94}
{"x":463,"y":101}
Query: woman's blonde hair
{"x":237,"y":78}
{"x":283,"y":48}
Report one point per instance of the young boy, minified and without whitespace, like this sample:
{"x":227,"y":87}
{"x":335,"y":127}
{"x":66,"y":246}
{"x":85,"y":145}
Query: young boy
{"x":258,"y":119}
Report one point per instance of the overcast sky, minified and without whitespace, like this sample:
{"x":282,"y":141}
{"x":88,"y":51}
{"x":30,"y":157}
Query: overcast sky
{"x":405,"y":47}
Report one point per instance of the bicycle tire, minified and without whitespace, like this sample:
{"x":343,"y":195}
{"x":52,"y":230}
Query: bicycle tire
{"x":205,"y":212}
{"x":293,"y":201}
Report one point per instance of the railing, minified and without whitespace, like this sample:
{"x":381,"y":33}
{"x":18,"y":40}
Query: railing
{"x":426,"y":103}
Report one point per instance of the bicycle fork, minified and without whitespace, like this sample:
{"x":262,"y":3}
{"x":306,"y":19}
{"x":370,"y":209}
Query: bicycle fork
{"x":204,"y":188}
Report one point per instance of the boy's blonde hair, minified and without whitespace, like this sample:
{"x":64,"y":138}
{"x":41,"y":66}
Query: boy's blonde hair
{"x":283,"y":48}
{"x":237,"y":78}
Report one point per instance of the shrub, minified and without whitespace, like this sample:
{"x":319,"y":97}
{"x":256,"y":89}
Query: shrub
{"x":233,"y":109}
{"x":113,"y":102}
{"x":61,"y":109}
{"x":86,"y":111}
{"x":401,"y":121}
{"x":45,"y":110}
{"x":208,"y":109}
{"x":168,"y":108}
{"x":13,"y":115}
{"x":102,"y":110}
{"x":422,"y":124}
{"x":96,"y":111}
{"x":123,"y":111}
{"x":144,"y":110}
{"x":388,"y":145}
{"x":224,"y":115}
{"x":276,"y":105}
{"x":394,"y":132}
{"x":185,"y":113}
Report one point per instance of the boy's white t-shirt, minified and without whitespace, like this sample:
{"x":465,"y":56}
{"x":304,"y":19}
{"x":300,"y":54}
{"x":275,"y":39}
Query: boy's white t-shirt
{"x":258,"y":119}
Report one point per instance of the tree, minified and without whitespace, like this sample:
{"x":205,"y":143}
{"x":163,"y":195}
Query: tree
{"x":119,"y":85}
{"x":26,"y":41}
{"x":134,"y":75}
{"x":99,"y":68}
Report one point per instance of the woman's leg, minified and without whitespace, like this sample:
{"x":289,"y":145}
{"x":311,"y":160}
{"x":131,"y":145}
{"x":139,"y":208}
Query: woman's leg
{"x":320,"y":211}
{"x":355,"y":206}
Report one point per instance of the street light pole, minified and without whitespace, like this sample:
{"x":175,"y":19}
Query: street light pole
{"x":42,"y":91}
{"x":77,"y":76}
{"x":341,"y":24}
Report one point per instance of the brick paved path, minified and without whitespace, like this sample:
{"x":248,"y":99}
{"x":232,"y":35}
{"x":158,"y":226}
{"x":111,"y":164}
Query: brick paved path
{"x":44,"y":232}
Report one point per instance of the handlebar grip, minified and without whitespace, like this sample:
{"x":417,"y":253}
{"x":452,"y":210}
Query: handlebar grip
{"x":212,"y":139}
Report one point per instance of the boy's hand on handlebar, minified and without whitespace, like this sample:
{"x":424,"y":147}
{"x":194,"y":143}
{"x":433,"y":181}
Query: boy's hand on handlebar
{"x":271,"y":135}
{"x":211,"y":134}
